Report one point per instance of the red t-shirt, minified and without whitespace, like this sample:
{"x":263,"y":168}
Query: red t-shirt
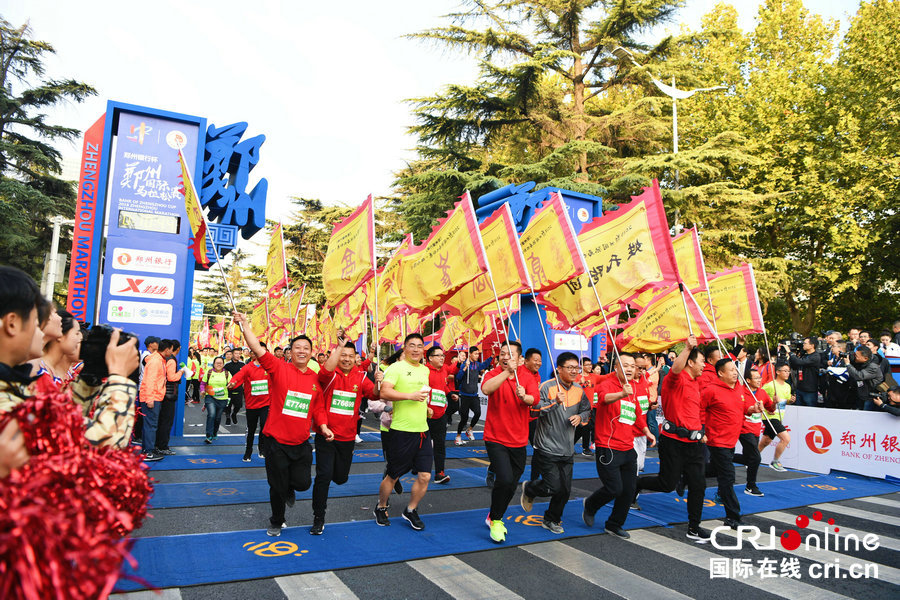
{"x":507,"y":416}
{"x":681,"y":402}
{"x":615,"y":422}
{"x":723,"y":413}
{"x":451,"y":370}
{"x":293,"y":396}
{"x":341,"y":395}
{"x":753,"y":422}
{"x":437,"y":399}
{"x":256,"y":385}
{"x":707,"y":377}
{"x":641,"y":394}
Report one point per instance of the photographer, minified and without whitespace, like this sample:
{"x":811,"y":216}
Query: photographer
{"x":807,"y":366}
{"x":866,"y":374}
{"x":108,"y":408}
{"x":893,"y":401}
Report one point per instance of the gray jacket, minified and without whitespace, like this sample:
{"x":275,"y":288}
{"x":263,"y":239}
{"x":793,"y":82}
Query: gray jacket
{"x":554,"y":434}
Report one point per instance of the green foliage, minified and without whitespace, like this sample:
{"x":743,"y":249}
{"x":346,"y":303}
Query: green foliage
{"x":30,"y":192}
{"x":245,"y":281}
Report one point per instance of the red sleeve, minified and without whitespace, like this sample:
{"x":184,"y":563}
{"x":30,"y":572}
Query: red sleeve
{"x":531,"y":387}
{"x":241,"y":375}
{"x":325,"y":376}
{"x":367,"y":388}
{"x":706,"y":395}
{"x":319,"y":410}
{"x":270,"y":363}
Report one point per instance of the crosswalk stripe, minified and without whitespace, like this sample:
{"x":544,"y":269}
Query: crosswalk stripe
{"x":847,"y":511}
{"x":880,"y":500}
{"x":885,"y":573}
{"x":461,"y":581}
{"x":789,"y":519}
{"x":601,"y":573}
{"x":693,"y":554}
{"x":166,"y":594}
{"x":325,"y":585}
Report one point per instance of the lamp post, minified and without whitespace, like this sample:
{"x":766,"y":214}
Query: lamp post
{"x":669,"y":90}
{"x":53,"y":263}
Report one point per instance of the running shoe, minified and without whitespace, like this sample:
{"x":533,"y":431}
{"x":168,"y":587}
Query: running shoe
{"x":525,"y":501}
{"x":381,"y":516}
{"x":246,"y":458}
{"x":498,"y":531}
{"x":752,"y":490}
{"x":733,"y":523}
{"x":273,"y":531}
{"x":441,"y":478}
{"x":617,"y":531}
{"x":261,"y":455}
{"x":470,"y":434}
{"x":586,"y":452}
{"x":358,"y":439}
{"x":459,"y":441}
{"x":698,"y":534}
{"x":776,"y":464}
{"x":208,"y":440}
{"x":552,"y":527}
{"x":634,"y":503}
{"x":412,"y":517}
{"x":587,"y":516}
{"x":318,"y":526}
{"x":167,"y":452}
{"x":152,"y":456}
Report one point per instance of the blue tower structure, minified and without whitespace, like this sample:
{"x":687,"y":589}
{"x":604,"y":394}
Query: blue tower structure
{"x":523,"y":202}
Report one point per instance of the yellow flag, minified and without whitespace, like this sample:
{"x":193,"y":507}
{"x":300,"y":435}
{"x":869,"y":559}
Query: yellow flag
{"x":627,"y":251}
{"x":259,"y":319}
{"x":350,"y":259}
{"x":504,"y":256}
{"x":194,"y":215}
{"x":450,"y":258}
{"x":399,"y":326}
{"x":388,"y":294}
{"x":662,"y":324}
{"x":311,"y":325}
{"x":327,"y":332}
{"x":348,"y":312}
{"x":276,"y":268}
{"x":549,"y":247}
{"x":689,"y":259}
{"x":452,"y":332}
{"x":735,"y":302}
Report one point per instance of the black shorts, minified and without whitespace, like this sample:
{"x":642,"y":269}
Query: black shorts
{"x":409,"y":451}
{"x":768,"y":430}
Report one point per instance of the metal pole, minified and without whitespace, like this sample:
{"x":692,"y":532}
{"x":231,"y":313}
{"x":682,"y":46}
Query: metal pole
{"x":53,"y":263}
{"x":675,"y":133}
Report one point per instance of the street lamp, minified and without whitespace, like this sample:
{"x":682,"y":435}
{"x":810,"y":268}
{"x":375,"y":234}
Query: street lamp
{"x":669,"y":90}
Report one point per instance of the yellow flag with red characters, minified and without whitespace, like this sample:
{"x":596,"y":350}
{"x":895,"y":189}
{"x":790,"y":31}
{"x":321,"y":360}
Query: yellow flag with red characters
{"x":549,"y":246}
{"x":276,"y":267}
{"x":348,"y":312}
{"x":507,"y":267}
{"x":451,"y":334}
{"x":311,"y":324}
{"x":350,"y":259}
{"x":662,"y":324}
{"x":689,"y":259}
{"x":194,"y":215}
{"x":327,"y":332}
{"x":384,"y":301}
{"x":399,"y":326}
{"x":259,"y":319}
{"x":626,"y":251}
{"x":449,"y":259}
{"x":735,"y":302}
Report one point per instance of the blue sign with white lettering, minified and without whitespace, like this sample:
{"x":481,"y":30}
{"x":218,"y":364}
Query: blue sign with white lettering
{"x":196,"y":310}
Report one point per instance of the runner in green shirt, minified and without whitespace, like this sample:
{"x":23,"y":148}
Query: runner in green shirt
{"x":780,"y":391}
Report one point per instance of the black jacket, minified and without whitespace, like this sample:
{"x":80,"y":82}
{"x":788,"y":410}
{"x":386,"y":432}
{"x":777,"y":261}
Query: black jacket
{"x":807,"y":367}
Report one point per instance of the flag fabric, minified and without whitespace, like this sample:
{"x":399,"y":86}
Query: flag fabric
{"x":451,"y":257}
{"x":311,"y":324}
{"x":388,"y":296}
{"x":203,"y":337}
{"x":689,"y":259}
{"x":350,"y":258}
{"x":549,"y":247}
{"x":627,"y":251}
{"x":259,"y":319}
{"x":662,"y":324}
{"x":507,"y":266}
{"x":276,"y":266}
{"x":234,"y":335}
{"x":451,"y":334}
{"x":400,"y":325}
{"x":194,"y":215}
{"x":326,"y":332}
{"x":348,"y":312}
{"x":735,"y":301}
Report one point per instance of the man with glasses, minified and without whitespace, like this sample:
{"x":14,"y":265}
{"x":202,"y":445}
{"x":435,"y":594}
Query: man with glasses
{"x":780,"y":391}
{"x":437,"y":407}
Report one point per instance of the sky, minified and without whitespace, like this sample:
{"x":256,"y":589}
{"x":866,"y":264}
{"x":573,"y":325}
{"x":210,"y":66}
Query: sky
{"x":325,"y":82}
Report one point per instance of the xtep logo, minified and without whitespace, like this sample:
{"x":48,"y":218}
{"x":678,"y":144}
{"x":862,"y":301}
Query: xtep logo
{"x":818,"y":439}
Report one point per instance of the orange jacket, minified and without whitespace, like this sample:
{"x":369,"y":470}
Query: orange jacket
{"x":153,"y":385}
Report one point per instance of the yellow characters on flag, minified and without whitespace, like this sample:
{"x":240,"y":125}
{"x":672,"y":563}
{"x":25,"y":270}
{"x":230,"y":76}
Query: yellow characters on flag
{"x":276,"y":266}
{"x":662,"y":324}
{"x":194,"y":215}
{"x":689,"y":259}
{"x":259,"y":319}
{"x":350,"y":259}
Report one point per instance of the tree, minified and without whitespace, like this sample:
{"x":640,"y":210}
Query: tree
{"x":245,"y":281}
{"x":30,"y":192}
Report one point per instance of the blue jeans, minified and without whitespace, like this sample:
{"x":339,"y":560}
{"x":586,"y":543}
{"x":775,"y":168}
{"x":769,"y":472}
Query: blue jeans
{"x":214,"y":411}
{"x":807,"y":398}
{"x":151,"y":419}
{"x":652,"y":425}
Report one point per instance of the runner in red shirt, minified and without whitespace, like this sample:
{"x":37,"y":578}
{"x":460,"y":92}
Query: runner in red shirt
{"x":437,"y":407}
{"x":344,"y":386}
{"x":754,"y":399}
{"x":618,"y":413}
{"x":294,"y":393}
{"x":680,"y":450}
{"x":506,"y":429}
{"x":256,"y":393}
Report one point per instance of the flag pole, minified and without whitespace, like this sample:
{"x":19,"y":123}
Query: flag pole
{"x":296,"y":313}
{"x":712,"y":311}
{"x":376,"y":333}
{"x":687,"y":315}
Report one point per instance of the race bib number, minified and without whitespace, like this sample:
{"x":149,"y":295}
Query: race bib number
{"x":220,"y":393}
{"x":438,"y":398}
{"x":296,"y":404}
{"x":754,"y":418}
{"x":260,"y":387}
{"x":627,"y":412}
{"x":343,"y":403}
{"x":645,"y":402}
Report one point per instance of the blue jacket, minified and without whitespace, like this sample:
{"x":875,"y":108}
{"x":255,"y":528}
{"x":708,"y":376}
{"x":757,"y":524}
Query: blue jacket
{"x":467,"y":376}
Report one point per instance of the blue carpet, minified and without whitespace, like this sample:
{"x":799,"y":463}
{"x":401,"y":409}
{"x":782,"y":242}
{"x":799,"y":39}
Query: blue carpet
{"x":239,"y":439}
{"x":178,"y":495}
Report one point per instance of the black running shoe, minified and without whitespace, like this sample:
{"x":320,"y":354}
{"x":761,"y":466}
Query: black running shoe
{"x":441,"y":478}
{"x":698,"y":534}
{"x":381,"y":516}
{"x":617,"y":531}
{"x":318,"y":526}
{"x":412,"y":517}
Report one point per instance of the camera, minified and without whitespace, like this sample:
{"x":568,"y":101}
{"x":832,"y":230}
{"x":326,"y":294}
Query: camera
{"x":93,"y":354}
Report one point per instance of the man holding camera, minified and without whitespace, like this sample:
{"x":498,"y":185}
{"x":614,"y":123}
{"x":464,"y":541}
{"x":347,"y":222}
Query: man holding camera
{"x":866,"y":375}
{"x":808,"y":366}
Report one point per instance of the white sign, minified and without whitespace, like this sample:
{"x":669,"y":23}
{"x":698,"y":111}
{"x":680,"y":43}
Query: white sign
{"x":131,"y":259}
{"x":146,"y":313}
{"x":572,"y":342}
{"x":856,"y":441}
{"x":142,"y":286}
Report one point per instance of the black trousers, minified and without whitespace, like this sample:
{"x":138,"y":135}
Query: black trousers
{"x":287,"y":470}
{"x":723,"y":461}
{"x":507,"y":464}
{"x":164,"y":426}
{"x":555,"y":481}
{"x":617,"y":471}
{"x":333,"y":460}
{"x":255,"y":416}
{"x":749,"y":456}
{"x":467,"y":403}
{"x":677,"y":458}
{"x":235,"y":404}
{"x":452,"y":407}
{"x":438,"y":430}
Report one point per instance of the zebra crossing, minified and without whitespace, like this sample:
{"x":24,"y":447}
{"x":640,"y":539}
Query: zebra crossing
{"x":655,"y":563}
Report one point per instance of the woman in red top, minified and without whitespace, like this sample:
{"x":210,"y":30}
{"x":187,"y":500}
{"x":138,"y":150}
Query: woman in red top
{"x":437,"y":407}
